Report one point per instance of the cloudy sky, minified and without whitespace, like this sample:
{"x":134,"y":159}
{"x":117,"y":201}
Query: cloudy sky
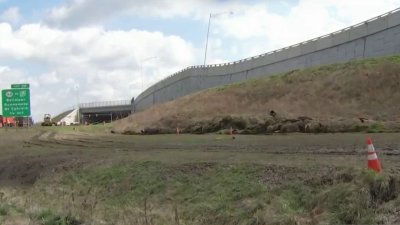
{"x":74,"y":51}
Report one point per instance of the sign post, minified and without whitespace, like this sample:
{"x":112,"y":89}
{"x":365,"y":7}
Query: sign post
{"x":16,"y":101}
{"x":23,"y":86}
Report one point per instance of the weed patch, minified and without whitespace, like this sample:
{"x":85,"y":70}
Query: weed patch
{"x":203,"y":193}
{"x":48,"y":217}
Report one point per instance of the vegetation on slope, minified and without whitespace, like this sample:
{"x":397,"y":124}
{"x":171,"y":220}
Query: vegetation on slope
{"x":354,"y":96}
{"x":152,"y":193}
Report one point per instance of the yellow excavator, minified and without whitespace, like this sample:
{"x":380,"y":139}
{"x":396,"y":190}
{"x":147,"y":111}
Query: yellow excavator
{"x":47,"y":121}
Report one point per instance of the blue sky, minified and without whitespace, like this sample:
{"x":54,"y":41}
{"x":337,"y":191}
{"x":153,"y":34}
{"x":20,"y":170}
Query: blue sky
{"x":94,"y":49}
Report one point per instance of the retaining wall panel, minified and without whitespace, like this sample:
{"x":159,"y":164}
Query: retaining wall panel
{"x":294,"y":51}
{"x":324,"y":43}
{"x":342,"y":53}
{"x":192,"y":83}
{"x":349,"y":51}
{"x":391,"y":42}
{"x":333,"y":55}
{"x":396,"y":43}
{"x":309,"y":47}
{"x":233,"y":68}
{"x":269,"y":58}
{"x":273,"y":69}
{"x":377,"y":25}
{"x":239,"y":77}
{"x":212,"y":71}
{"x":313,"y":59}
{"x":281,"y":55}
{"x":195,"y":84}
{"x":257,"y":73}
{"x":291,"y":64}
{"x":245,"y":65}
{"x":358,"y":32}
{"x":394,"y":19}
{"x":359,"y":48}
{"x":145,"y":103}
{"x":374,"y":45}
{"x":340,"y":38}
{"x":257,"y":62}
{"x":210,"y":81}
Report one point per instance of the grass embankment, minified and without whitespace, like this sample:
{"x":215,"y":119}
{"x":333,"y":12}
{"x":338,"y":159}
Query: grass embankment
{"x":333,"y":97}
{"x":210,"y":193}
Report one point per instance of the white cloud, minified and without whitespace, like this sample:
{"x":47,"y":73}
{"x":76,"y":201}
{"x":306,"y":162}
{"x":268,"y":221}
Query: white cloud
{"x":255,"y":27}
{"x":104,"y":65}
{"x":11,"y":15}
{"x":10,"y":45}
{"x":49,"y":78}
{"x":9,"y":76}
{"x":75,"y":13}
{"x":91,"y":47}
{"x":4,"y":69}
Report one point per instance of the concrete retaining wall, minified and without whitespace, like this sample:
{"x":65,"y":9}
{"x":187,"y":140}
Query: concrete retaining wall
{"x":379,"y":36}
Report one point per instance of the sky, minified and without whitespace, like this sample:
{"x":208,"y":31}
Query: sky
{"x":78,"y":51}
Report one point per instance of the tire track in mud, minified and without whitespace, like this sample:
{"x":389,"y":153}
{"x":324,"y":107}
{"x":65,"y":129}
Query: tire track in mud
{"x":51,"y":139}
{"x":79,"y":141}
{"x":57,"y":153}
{"x":70,"y":151}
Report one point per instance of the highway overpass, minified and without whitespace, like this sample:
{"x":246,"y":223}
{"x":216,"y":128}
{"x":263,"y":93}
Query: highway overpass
{"x":108,"y":111}
{"x":98,"y":112}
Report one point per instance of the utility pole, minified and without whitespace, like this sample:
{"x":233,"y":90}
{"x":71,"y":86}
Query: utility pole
{"x":208,"y":31}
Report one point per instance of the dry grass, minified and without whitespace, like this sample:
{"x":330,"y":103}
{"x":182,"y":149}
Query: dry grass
{"x":342,"y":92}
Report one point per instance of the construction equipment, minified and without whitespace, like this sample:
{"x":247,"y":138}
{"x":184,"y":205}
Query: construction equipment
{"x":47,"y":121}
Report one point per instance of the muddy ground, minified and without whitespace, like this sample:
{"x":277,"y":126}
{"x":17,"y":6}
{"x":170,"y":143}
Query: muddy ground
{"x":29,"y":157}
{"x":30,"y":154}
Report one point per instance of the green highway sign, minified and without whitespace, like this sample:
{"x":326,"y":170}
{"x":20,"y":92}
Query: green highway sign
{"x":16,"y":102}
{"x":19,"y":86}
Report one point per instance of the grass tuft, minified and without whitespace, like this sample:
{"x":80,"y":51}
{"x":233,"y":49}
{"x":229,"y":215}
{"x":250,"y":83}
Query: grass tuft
{"x":48,"y":217}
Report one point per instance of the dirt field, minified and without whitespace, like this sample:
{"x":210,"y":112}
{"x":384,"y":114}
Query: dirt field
{"x":35,"y":163}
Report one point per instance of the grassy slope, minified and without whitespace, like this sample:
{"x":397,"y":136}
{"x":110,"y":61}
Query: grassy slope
{"x":340,"y":92}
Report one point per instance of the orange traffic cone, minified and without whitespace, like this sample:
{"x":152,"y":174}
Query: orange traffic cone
{"x":373,"y":161}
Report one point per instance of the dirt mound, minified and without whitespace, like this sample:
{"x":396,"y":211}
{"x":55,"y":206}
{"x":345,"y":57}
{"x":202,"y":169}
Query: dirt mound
{"x":355,"y":96}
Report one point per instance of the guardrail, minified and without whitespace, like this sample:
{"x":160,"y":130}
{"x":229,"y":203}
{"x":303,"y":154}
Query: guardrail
{"x":104,"y":104}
